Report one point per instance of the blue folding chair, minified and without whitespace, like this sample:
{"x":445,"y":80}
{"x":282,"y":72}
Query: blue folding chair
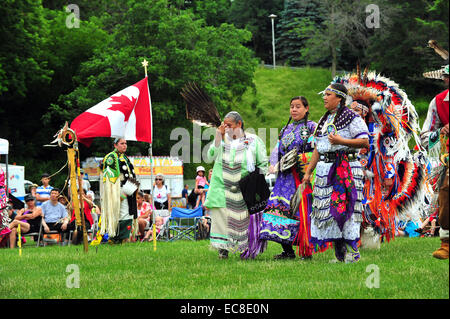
{"x":183,"y":223}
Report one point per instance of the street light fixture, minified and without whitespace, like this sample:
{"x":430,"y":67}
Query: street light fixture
{"x":272,"y":17}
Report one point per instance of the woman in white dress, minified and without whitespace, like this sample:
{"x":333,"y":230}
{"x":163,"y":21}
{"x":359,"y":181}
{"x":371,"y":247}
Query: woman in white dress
{"x":338,"y":189}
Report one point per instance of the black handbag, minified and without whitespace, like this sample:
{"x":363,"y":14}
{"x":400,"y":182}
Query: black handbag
{"x":255,"y":191}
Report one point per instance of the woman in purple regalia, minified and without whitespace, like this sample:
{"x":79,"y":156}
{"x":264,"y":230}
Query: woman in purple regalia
{"x":279,"y":223}
{"x":338,"y":188}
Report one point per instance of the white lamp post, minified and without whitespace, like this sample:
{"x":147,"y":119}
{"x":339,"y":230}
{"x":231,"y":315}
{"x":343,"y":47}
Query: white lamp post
{"x":272,"y":17}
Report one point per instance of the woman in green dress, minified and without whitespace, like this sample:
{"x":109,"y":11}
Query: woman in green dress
{"x":236,"y":154}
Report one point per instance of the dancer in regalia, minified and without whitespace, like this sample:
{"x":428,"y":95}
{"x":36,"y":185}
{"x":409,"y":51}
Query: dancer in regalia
{"x":4,"y":217}
{"x":118,"y":193}
{"x":235,"y":154}
{"x":338,"y":188}
{"x":435,"y":133}
{"x":394,"y":177}
{"x":290,"y":157}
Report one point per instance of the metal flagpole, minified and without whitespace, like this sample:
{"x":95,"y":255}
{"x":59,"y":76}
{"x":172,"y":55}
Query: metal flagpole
{"x":150,"y":153}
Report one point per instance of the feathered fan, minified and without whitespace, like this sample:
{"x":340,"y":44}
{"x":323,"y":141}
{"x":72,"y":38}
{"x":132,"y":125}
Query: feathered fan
{"x":438,"y":49}
{"x":200,"y":109}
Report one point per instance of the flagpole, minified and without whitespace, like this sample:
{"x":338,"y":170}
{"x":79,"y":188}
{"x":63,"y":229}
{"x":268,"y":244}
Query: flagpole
{"x":150,"y":153}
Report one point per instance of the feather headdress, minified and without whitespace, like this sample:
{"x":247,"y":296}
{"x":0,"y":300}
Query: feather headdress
{"x":388,"y":101}
{"x":200,"y":109}
{"x":394,"y":121}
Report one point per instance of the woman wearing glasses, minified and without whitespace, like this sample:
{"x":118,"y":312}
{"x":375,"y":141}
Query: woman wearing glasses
{"x":161,"y":194}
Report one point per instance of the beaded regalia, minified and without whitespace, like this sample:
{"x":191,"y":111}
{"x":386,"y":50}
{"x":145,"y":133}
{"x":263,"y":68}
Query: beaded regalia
{"x":395,"y":178}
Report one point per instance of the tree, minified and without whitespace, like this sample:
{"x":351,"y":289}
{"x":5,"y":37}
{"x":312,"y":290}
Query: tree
{"x":23,"y":31}
{"x":298,"y":19}
{"x":253,"y":15}
{"x":344,"y":32}
{"x":214,"y":12}
{"x":401,"y":51}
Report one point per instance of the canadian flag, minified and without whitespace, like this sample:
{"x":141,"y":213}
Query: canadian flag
{"x":125,"y":114}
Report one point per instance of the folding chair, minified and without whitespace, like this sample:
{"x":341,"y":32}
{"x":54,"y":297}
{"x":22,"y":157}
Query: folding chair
{"x":38,"y":234}
{"x":42,"y":234}
{"x":183,"y":223}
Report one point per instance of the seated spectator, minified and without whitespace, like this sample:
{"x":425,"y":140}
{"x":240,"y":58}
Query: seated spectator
{"x":77,"y":236}
{"x":95,"y":210}
{"x":429,"y":230}
{"x":144,"y":213}
{"x":159,"y":223}
{"x":12,"y":212}
{"x":63,"y":200}
{"x":206,"y":220}
{"x":161,"y":194}
{"x":43,"y":191}
{"x":406,"y":229}
{"x":28,"y":218}
{"x":55,"y":214}
{"x":147,"y":197}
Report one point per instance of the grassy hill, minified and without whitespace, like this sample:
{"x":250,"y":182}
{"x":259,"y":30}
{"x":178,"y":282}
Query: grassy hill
{"x":268,"y":105}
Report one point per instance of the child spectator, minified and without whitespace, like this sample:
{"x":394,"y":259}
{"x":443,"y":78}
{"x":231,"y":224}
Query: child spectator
{"x":159,"y":223}
{"x":144,"y":213}
{"x":429,"y":230}
{"x":200,"y":183}
{"x":43,"y":191}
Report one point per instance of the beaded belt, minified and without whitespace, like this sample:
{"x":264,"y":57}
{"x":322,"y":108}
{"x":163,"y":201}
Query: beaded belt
{"x":332,"y":156}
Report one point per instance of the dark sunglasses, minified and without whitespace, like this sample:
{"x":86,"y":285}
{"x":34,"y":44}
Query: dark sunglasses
{"x":158,"y":179}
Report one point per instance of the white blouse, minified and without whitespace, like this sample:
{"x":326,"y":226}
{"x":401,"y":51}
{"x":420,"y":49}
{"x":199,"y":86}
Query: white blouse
{"x":160,"y":194}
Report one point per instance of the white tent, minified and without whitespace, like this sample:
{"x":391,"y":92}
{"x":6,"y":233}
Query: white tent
{"x":4,"y":146}
{"x":4,"y":150}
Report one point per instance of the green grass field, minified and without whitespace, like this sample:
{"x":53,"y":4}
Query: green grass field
{"x":191,"y":270}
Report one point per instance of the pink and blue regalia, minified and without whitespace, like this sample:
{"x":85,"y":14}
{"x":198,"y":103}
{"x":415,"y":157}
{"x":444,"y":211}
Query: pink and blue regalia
{"x":280,"y":222}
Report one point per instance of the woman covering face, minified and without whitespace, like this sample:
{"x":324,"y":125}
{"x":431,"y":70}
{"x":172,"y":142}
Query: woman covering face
{"x":235,"y":154}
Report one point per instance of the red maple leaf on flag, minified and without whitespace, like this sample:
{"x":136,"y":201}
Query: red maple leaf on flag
{"x":123,"y":104}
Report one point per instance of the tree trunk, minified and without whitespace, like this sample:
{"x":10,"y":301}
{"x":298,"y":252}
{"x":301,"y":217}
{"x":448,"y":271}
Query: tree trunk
{"x":333,"y":60}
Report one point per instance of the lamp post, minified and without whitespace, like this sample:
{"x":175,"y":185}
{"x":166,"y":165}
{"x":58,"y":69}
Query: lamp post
{"x":272,"y":17}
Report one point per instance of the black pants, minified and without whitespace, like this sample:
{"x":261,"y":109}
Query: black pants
{"x":159,"y":205}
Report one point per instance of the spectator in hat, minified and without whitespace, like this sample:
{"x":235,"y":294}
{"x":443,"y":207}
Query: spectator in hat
{"x":28,"y":218}
{"x":32,"y":189}
{"x":43,"y":191}
{"x":200,"y":183}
